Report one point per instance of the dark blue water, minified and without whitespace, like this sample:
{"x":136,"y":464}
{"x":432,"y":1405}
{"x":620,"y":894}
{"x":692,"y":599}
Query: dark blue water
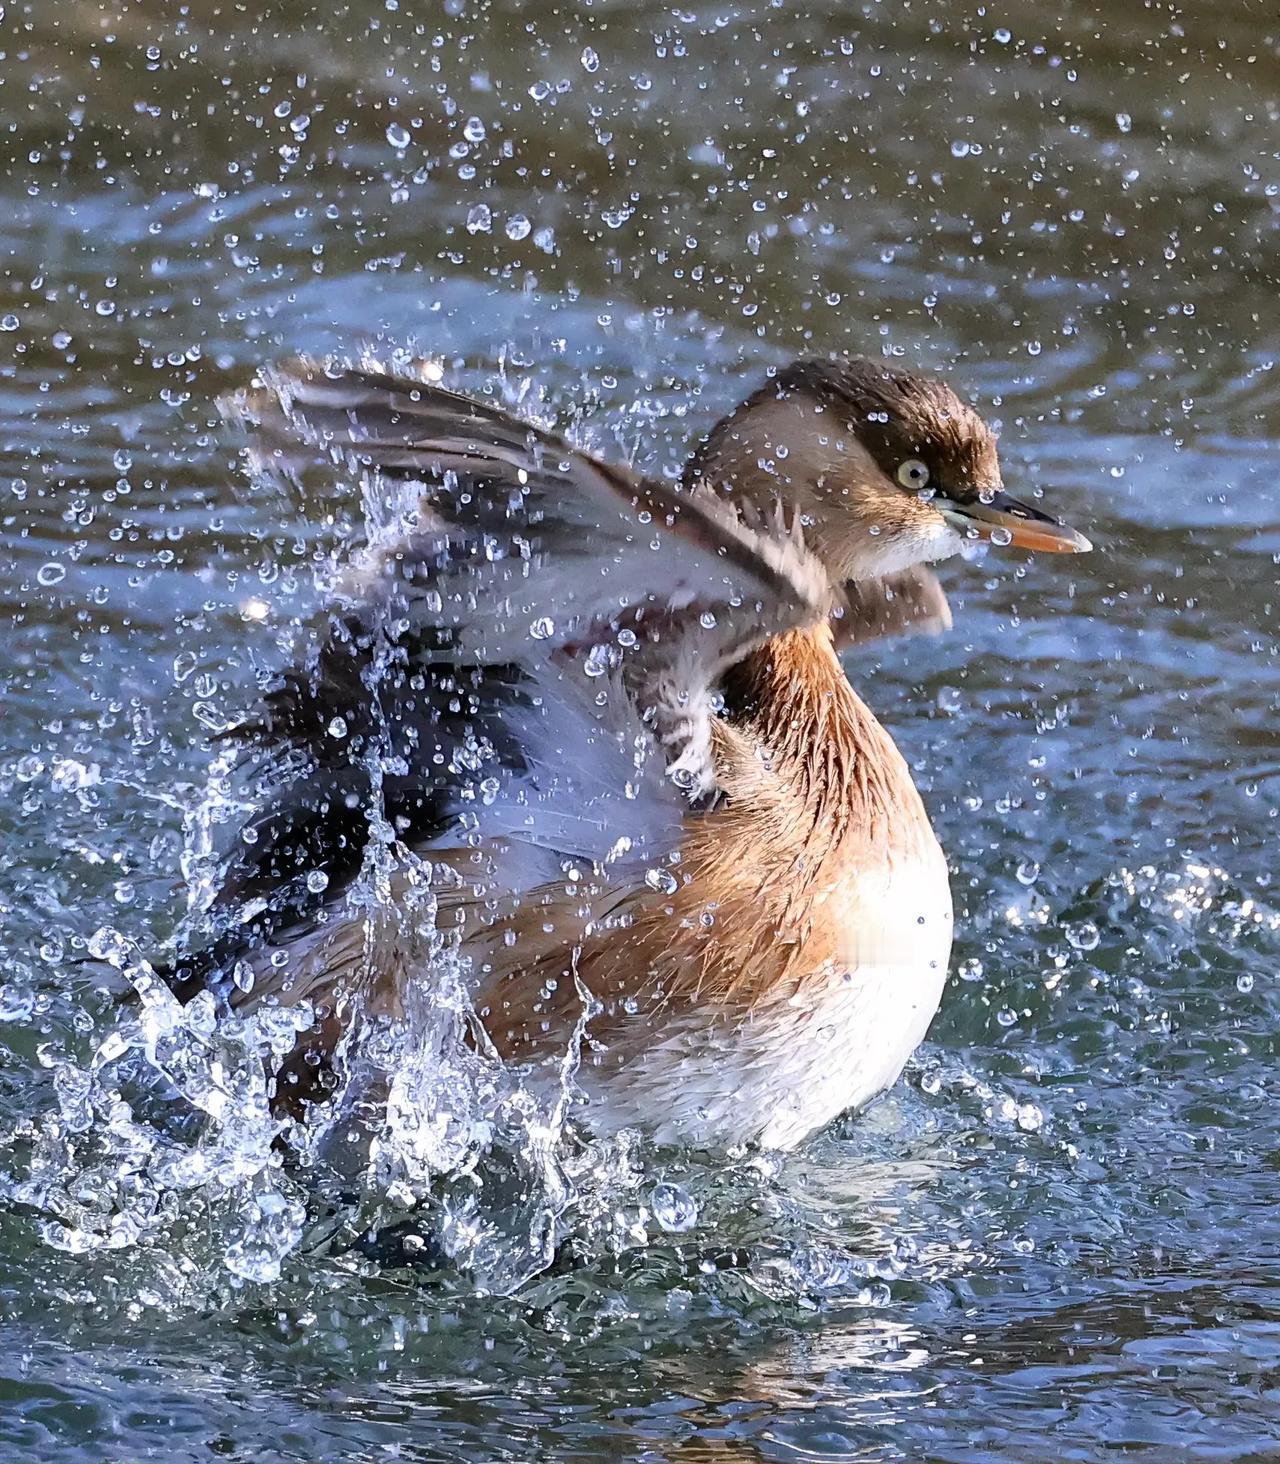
{"x":1058,"y":1238}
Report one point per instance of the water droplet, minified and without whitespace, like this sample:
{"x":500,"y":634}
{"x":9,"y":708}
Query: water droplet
{"x":1244,"y":982}
{"x":590,"y":61}
{"x":1028,"y":872}
{"x":398,"y":136}
{"x":949,"y":700}
{"x":474,"y":130}
{"x":518,"y":227}
{"x":599,"y":661}
{"x":1001,"y":537}
{"x":337,"y":728}
{"x":970,"y":970}
{"x":661,"y":880}
{"x":1083,"y":935}
{"x":543,"y":628}
{"x":1124,"y":122}
{"x":960,"y":148}
{"x":51,"y":574}
{"x":479,"y":219}
{"x":674,"y":1208}
{"x":9,"y":322}
{"x":183,"y":665}
{"x":317,"y":881}
{"x":106,"y":944}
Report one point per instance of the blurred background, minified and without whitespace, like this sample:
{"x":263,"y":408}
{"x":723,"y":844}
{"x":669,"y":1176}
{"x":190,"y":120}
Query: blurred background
{"x":1057,"y":1239}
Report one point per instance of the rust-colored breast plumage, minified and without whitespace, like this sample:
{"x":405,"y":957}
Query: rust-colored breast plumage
{"x":761,"y":903}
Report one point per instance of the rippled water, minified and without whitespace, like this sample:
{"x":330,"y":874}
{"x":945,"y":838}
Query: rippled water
{"x":1058,"y":1238}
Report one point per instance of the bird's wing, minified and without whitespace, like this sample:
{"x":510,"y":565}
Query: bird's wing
{"x":520,"y":534}
{"x":523,"y":663}
{"x":521,"y":549}
{"x":911,"y":602}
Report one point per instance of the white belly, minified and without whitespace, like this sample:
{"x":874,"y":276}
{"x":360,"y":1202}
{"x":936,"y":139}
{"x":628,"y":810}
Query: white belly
{"x":774,"y":1073}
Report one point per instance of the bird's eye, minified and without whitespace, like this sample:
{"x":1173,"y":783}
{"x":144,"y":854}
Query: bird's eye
{"x":913,"y":474}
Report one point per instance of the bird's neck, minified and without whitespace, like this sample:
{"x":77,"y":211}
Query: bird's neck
{"x":794,"y":699}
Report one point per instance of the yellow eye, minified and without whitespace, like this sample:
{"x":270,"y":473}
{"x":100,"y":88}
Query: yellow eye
{"x":913,"y":474}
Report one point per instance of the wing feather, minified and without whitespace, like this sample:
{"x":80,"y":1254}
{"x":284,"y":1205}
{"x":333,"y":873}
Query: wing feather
{"x":516,"y":528}
{"x":520,"y":665}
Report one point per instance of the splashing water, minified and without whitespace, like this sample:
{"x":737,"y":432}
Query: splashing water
{"x":161,"y":1135}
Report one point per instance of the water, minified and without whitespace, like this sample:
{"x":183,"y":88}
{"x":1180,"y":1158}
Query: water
{"x":1057,"y":1239}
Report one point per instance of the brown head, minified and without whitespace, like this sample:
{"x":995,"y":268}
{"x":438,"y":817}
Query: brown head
{"x":886,"y":468}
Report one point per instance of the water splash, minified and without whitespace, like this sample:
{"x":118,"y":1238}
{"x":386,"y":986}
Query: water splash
{"x":165,"y":1125}
{"x":162,"y":1135}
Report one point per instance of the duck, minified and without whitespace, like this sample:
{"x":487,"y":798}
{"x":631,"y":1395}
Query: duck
{"x":588,"y":734}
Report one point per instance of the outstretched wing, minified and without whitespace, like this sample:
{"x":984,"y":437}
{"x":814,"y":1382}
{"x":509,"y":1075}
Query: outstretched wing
{"x":519,"y":535}
{"x":520,"y":549}
{"x":523,"y":664}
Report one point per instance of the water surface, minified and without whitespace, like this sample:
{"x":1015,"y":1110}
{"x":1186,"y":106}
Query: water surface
{"x":1057,"y":1239}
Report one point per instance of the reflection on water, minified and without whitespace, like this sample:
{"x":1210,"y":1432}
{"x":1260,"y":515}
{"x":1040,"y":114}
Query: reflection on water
{"x":1058,"y":1239}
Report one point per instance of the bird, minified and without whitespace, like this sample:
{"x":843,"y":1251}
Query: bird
{"x":589,"y":734}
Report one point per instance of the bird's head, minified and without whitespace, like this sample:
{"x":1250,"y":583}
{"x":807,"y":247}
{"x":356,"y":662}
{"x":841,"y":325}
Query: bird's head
{"x":887,"y":469}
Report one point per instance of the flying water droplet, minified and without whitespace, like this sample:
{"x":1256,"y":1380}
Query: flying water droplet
{"x":600,"y":660}
{"x":661,"y":880}
{"x":1083,"y":935}
{"x":949,"y":700}
{"x":106,"y":944}
{"x":398,"y":136}
{"x":674,"y":1208}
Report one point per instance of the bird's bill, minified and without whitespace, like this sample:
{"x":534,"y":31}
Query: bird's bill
{"x":1008,"y":521}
